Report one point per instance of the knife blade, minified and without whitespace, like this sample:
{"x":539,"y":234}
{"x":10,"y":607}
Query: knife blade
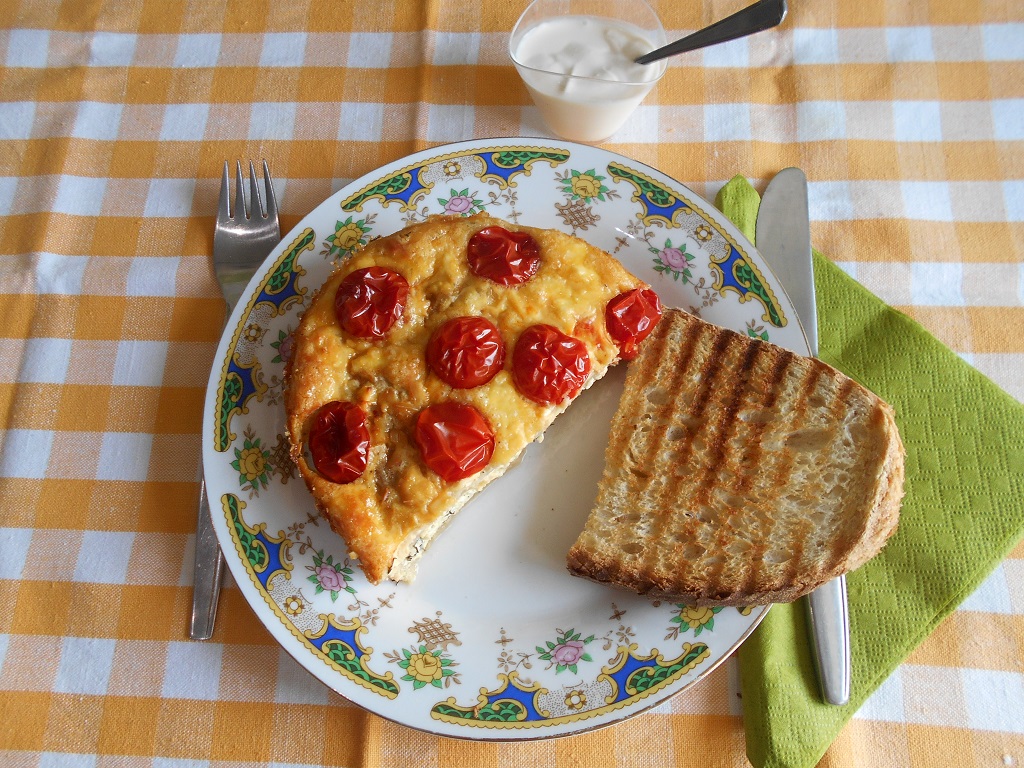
{"x":783,"y":238}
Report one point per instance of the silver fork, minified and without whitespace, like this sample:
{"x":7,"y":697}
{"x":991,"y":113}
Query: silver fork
{"x":242,"y":239}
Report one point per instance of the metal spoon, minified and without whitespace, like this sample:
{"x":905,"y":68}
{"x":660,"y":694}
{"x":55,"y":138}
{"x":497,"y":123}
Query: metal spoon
{"x":758,"y":17}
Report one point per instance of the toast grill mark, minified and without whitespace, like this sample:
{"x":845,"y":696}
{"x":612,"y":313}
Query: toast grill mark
{"x":756,"y":426}
{"x":684,"y":452}
{"x":752,"y":475}
{"x":749,"y":433}
{"x":653,"y":410}
{"x":730,"y":379}
{"x":729,"y":401}
{"x":748,"y":463}
{"x":642,"y":420}
{"x":731,"y":391}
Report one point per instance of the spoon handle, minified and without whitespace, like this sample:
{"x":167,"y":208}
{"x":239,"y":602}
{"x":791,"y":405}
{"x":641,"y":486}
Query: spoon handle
{"x":758,"y":17}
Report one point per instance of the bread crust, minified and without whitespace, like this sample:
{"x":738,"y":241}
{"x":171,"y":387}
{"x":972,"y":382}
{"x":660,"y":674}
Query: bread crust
{"x":752,"y":475}
{"x":390,"y":514}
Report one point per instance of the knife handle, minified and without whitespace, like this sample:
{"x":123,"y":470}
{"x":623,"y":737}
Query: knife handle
{"x":829,"y":616}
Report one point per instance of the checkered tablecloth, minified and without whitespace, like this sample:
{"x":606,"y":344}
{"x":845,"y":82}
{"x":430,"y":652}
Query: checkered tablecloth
{"x":115,"y":120}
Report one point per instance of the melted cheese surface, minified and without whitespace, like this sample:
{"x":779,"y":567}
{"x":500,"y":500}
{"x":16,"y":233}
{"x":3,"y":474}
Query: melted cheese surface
{"x":398,"y":494}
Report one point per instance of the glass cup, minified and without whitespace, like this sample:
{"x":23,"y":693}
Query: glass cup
{"x":576,"y":59}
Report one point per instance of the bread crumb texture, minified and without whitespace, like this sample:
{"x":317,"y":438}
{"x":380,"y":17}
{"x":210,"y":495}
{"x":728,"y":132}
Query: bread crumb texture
{"x":739,"y":473}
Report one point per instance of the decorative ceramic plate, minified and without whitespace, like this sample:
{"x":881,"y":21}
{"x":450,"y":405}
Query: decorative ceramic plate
{"x":494,"y":640}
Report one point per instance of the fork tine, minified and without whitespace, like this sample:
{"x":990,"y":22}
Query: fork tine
{"x":224,"y":204}
{"x":271,"y":197}
{"x":239,"y":192}
{"x":255,"y":203}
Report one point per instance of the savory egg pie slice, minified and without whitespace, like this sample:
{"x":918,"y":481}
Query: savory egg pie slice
{"x":431,"y":358}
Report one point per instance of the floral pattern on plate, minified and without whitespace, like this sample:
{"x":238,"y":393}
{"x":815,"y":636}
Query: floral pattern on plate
{"x":494,"y":640}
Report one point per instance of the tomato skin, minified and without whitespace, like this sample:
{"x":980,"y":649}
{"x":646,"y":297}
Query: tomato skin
{"x":370,"y":301}
{"x":549,"y":366}
{"x":507,"y":258}
{"x":466,"y":352}
{"x":630,"y":317}
{"x":455,"y":439}
{"x":339,"y":442}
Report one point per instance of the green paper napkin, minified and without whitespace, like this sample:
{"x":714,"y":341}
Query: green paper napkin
{"x":963,"y":511}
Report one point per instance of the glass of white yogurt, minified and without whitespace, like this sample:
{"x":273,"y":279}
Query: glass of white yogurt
{"x":576,"y":59}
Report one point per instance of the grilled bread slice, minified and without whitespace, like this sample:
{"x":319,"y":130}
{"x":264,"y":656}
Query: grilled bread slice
{"x":739,"y":473}
{"x":391,"y":501}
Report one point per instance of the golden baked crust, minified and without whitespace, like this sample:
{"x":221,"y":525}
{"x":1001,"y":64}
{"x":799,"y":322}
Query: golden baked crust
{"x":389,"y":514}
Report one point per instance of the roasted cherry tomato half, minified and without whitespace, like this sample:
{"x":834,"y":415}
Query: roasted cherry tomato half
{"x":630,"y":317}
{"x":369,"y":301}
{"x":549,"y":366}
{"x":455,"y":439}
{"x":507,"y":258}
{"x":339,"y":442}
{"x":466,"y":352}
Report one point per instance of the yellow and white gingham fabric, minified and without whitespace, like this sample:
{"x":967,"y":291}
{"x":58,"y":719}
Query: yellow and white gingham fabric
{"x":115,"y":120}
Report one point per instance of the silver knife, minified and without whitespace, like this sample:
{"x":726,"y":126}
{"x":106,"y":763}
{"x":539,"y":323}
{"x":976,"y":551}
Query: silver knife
{"x":783,"y":237}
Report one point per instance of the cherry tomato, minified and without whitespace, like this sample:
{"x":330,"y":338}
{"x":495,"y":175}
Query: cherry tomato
{"x":507,"y":258}
{"x":369,"y":301}
{"x":455,"y":439}
{"x":630,"y":317}
{"x":466,"y":352}
{"x":339,"y":442}
{"x":549,"y":366}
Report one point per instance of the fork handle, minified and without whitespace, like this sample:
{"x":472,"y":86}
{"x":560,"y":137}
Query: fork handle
{"x":207,"y":572}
